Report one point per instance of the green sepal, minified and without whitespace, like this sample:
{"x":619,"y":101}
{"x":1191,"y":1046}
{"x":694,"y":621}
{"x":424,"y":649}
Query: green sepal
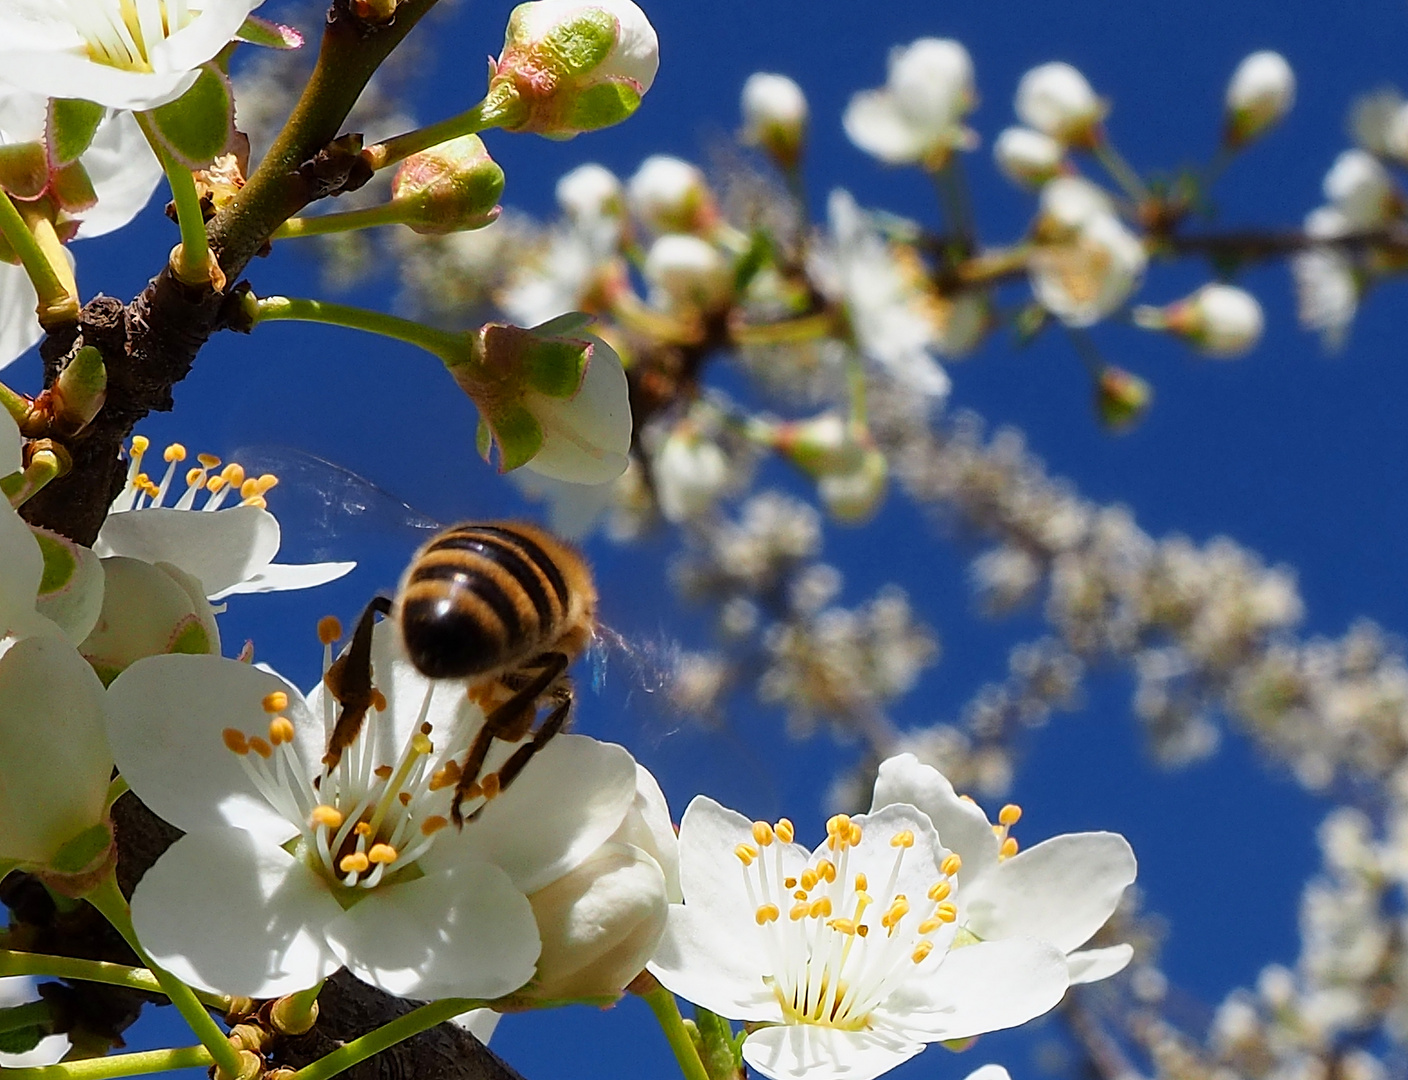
{"x":720,"y":1051}
{"x":583,"y":43}
{"x":70,"y":187}
{"x":958,"y":1045}
{"x":555,"y":367}
{"x":191,"y":639}
{"x":271,"y":35}
{"x":12,"y":484}
{"x":197,"y":127}
{"x":518,"y":436}
{"x":20,"y":1040}
{"x":483,"y":439}
{"x":601,"y":106}
{"x":86,"y":850}
{"x":760,"y":253}
{"x":1028,"y":322}
{"x":60,"y":563}
{"x":564,"y":325}
{"x":70,"y":127}
{"x":24,"y":169}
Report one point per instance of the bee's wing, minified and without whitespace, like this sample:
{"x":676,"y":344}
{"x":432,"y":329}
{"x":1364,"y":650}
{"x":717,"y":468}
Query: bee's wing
{"x":332,"y":508}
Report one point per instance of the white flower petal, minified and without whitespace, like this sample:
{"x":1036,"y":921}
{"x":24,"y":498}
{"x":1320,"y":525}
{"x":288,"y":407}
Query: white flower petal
{"x":221,"y":548}
{"x":572,"y":796}
{"x":166,"y":715}
{"x":11,"y":444}
{"x":281,"y":577}
{"x":962,"y":826}
{"x":1062,"y":890}
{"x":586,"y":437}
{"x":230,"y":913}
{"x":875,"y":123}
{"x":647,"y":826}
{"x":24,"y":569}
{"x":978,"y":988}
{"x":989,"y":1072}
{"x":1092,"y":965}
{"x":460,"y":932}
{"x":54,"y":756}
{"x":875,"y":857}
{"x":821,"y":1053}
{"x":714,"y":965}
{"x":124,"y":172}
{"x":19,"y":325}
{"x":479,"y":1022}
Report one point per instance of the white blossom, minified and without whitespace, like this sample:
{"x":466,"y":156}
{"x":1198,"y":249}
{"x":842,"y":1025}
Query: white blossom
{"x":1027,"y":157}
{"x":774,"y":115}
{"x":1056,"y":99}
{"x":917,"y":116}
{"x":667,"y":194}
{"x":688,"y":274}
{"x":1219,"y":320}
{"x":1261,"y":91}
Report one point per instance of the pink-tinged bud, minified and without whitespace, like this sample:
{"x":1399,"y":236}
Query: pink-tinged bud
{"x":1121,"y":398}
{"x":1056,"y":98}
{"x":449,"y":188}
{"x":570,"y":66}
{"x":1262,"y":90}
{"x":775,"y":117}
{"x":1220,"y":321}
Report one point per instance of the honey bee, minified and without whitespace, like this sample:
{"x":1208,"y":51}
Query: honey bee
{"x":504,"y":606}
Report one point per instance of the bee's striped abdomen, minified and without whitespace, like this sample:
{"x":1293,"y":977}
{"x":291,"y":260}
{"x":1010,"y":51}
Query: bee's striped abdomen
{"x":480,"y":598}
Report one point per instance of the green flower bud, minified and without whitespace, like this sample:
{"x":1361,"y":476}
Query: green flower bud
{"x":449,"y":188}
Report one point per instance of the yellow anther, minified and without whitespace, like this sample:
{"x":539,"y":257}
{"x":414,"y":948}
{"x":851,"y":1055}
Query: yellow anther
{"x":809,"y":879}
{"x":235,"y":740}
{"x":433,"y":824}
{"x":862,"y":883}
{"x":855,"y":834}
{"x":139,"y":445}
{"x":862,"y":930}
{"x":249,"y":489}
{"x":362,"y":828}
{"x":821,"y":909}
{"x":899,"y":908}
{"x":799,"y":911}
{"x":789,"y":883}
{"x":426,"y":728}
{"x":329,"y":629}
{"x":1010,"y":814}
{"x":381,"y":853}
{"x":904,"y":839}
{"x":355,"y":863}
{"x":195,"y":477}
{"x":142,"y":480}
{"x":404,"y":798}
{"x":257,"y":501}
{"x":327,"y":816}
{"x":383,"y":772}
{"x":998,"y":830}
{"x":378,"y":700}
{"x":233,"y":474}
{"x":474,"y":791}
{"x":946,"y":912}
{"x":838,"y":824}
{"x":260,"y":747}
{"x":842,"y":926}
{"x":1008,"y":849}
{"x":445,"y":777}
{"x":491,"y":785}
{"x":267,"y":481}
{"x":785,"y":831}
{"x":762,"y":834}
{"x":276,"y":702}
{"x":940,"y":890}
{"x":951,"y":865}
{"x":800,"y":894}
{"x":766,"y":913}
{"x":280,"y":730}
{"x":746,"y":853}
{"x":210,"y":461}
{"x":928,"y":926}
{"x":214,"y":484}
{"x":174,"y":452}
{"x":826,"y":870}
{"x":921,"y":951}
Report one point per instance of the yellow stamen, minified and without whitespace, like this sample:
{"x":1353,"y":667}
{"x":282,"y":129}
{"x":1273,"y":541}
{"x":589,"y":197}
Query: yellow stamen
{"x":445,"y":777}
{"x":383,"y":772}
{"x":174,"y":452}
{"x":490,"y":784}
{"x":235,"y":740}
{"x":785,"y":831}
{"x":826,"y":869}
{"x":789,"y":883}
{"x":249,"y":489}
{"x":210,"y":461}
{"x":862,"y":930}
{"x":194,"y":477}
{"x":842,"y":926}
{"x":139,"y":445}
{"x":433,"y":824}
{"x":214,"y":484}
{"x":951,"y":865}
{"x":381,"y":853}
{"x":746,"y":853}
{"x":809,"y":879}
{"x":928,"y":926}
{"x":280,"y":730}
{"x":233,"y":474}
{"x":820,"y":909}
{"x":855,"y":834}
{"x":762,"y":834}
{"x":404,"y":798}
{"x":1010,"y":814}
{"x":267,"y":481}
{"x":355,"y":863}
{"x":799,"y":911}
{"x":940,"y":890}
{"x":922,"y":951}
{"x":260,"y":747}
{"x":946,"y":912}
{"x":378,"y":700}
{"x":1008,"y":849}
{"x":862,"y":883}
{"x":766,"y":913}
{"x":327,"y":816}
{"x":800,"y":894}
{"x":276,"y":702}
{"x":329,"y":629}
{"x":903,"y":839}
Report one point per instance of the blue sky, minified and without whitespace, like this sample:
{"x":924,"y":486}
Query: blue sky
{"x":1299,"y":456}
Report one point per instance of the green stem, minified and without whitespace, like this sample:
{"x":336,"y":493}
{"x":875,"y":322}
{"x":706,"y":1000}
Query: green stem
{"x":346,"y":221}
{"x":102,"y":1068}
{"x":31,"y":1014}
{"x":953,"y":193}
{"x":449,"y":347}
{"x":493,"y":111}
{"x":98,"y":971}
{"x":116,"y":789}
{"x":58,"y":302}
{"x":379,"y":1039}
{"x":16,"y":404}
{"x":786,"y":332}
{"x":667,"y":1011}
{"x":108,"y":899}
{"x":192,"y":263}
{"x":1120,"y":170}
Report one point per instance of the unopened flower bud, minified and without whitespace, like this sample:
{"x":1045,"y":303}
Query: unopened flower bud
{"x":670,"y":195}
{"x":824,"y":444}
{"x":1222,"y":321}
{"x":449,"y":188}
{"x":1068,"y":204}
{"x":690,"y":473}
{"x":1121,"y":398}
{"x":79,"y":392}
{"x":854,"y":497}
{"x":1027,"y":157}
{"x":1056,"y":98}
{"x":570,"y":66}
{"x":775,"y":116}
{"x":71,"y":590}
{"x":599,"y":924}
{"x":1261,"y":91}
{"x":1362,"y":190}
{"x":589,"y":193}
{"x":148,"y":610}
{"x":688,"y":273}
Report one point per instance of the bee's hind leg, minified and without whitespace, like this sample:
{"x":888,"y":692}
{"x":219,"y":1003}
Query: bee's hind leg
{"x":518,"y":760}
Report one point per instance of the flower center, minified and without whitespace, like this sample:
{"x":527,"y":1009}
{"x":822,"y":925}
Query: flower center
{"x":367,"y":818}
{"x":207,"y":475}
{"x":123,"y":33}
{"x":836,"y":949}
